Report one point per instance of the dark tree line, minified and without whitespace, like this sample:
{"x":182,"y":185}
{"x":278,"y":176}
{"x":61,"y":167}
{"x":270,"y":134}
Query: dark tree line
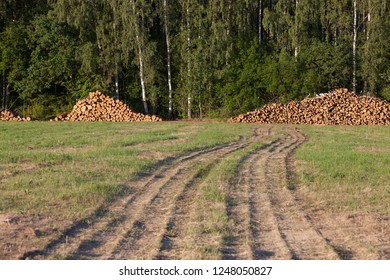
{"x":189,"y":58}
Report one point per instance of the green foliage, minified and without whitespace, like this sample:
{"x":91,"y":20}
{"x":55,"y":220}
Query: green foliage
{"x":241,"y":88}
{"x":82,"y":87}
{"x":386,"y":91}
{"x":44,"y":106}
{"x":327,"y":65}
{"x":52,"y":59}
{"x":14,"y":52}
{"x":226,"y":57}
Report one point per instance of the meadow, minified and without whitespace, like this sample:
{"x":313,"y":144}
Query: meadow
{"x":200,"y":180}
{"x":66,"y":170}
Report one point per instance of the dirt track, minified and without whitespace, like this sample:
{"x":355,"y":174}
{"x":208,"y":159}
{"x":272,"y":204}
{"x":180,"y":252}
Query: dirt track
{"x":151,"y":221}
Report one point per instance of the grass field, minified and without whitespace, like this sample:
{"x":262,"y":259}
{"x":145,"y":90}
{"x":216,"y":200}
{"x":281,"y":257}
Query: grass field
{"x":347,"y":168}
{"x":55,"y":174}
{"x":66,"y":170}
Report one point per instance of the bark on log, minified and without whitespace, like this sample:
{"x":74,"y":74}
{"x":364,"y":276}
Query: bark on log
{"x":338,"y":107}
{"x":100,"y":107}
{"x":6,"y":115}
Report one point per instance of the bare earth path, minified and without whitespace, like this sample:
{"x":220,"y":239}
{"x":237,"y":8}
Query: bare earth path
{"x":278,"y":228}
{"x":152,"y":220}
{"x":129,"y":221}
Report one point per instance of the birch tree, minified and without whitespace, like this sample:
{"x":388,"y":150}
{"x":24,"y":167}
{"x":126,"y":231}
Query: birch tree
{"x":260,"y":22}
{"x":296,"y":29}
{"x":136,"y":27}
{"x":376,"y":56}
{"x":138,"y":39}
{"x":354,"y":45}
{"x":168,"y":47}
{"x":186,"y":59}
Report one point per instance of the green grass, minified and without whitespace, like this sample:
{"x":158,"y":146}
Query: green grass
{"x":347,"y":168}
{"x":67,"y":170}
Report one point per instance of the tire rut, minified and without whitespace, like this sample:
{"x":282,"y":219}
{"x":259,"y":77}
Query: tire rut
{"x":163,"y":221}
{"x":90,"y":238}
{"x":150,"y":221}
{"x":173,"y":242}
{"x":269,"y":222}
{"x":302,"y":239}
{"x":250,"y":209}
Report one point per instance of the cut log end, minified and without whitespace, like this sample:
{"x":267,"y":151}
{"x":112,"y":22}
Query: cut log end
{"x":338,"y":107}
{"x":98,"y":107}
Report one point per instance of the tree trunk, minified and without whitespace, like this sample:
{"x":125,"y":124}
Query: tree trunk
{"x":140,"y":61}
{"x":367,"y":41}
{"x":141,"y":75}
{"x":4,"y":102}
{"x":189,"y":95}
{"x":114,"y":10}
{"x":228,"y":33}
{"x":369,"y":20}
{"x":116,"y":84}
{"x":200,"y":107}
{"x":166,"y":27}
{"x":6,"y":97}
{"x":296,"y":47}
{"x":260,"y":22}
{"x":4,"y":92}
{"x":354,"y":46}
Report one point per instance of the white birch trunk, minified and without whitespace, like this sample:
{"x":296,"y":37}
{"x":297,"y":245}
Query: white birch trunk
{"x":260,"y":22}
{"x":6,"y":97}
{"x":140,"y":61}
{"x":141,"y":75}
{"x":3,"y":104}
{"x":116,"y":83}
{"x":116,"y":55}
{"x":368,"y":28}
{"x":369,"y":20}
{"x":189,"y":96}
{"x":166,"y":27}
{"x":296,"y":48}
{"x":354,"y":46}
{"x":228,"y":19}
{"x":228,"y":40}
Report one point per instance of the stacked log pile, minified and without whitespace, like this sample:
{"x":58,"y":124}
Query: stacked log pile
{"x":338,"y":107}
{"x":7,"y":115}
{"x":100,"y":107}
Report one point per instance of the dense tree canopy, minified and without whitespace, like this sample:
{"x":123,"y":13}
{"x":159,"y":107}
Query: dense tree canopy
{"x":190,"y":58}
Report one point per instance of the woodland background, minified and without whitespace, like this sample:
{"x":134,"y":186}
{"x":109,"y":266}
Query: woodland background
{"x":189,"y":58}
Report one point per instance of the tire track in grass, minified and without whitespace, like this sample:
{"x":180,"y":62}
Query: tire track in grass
{"x":105,"y":217}
{"x":138,"y":240}
{"x":342,"y":252}
{"x":302,"y":239}
{"x":269,"y":223}
{"x":155,"y":229}
{"x":174,"y":242}
{"x":150,"y":221}
{"x":267,"y":240}
{"x":256,"y":234}
{"x":82,"y":239}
